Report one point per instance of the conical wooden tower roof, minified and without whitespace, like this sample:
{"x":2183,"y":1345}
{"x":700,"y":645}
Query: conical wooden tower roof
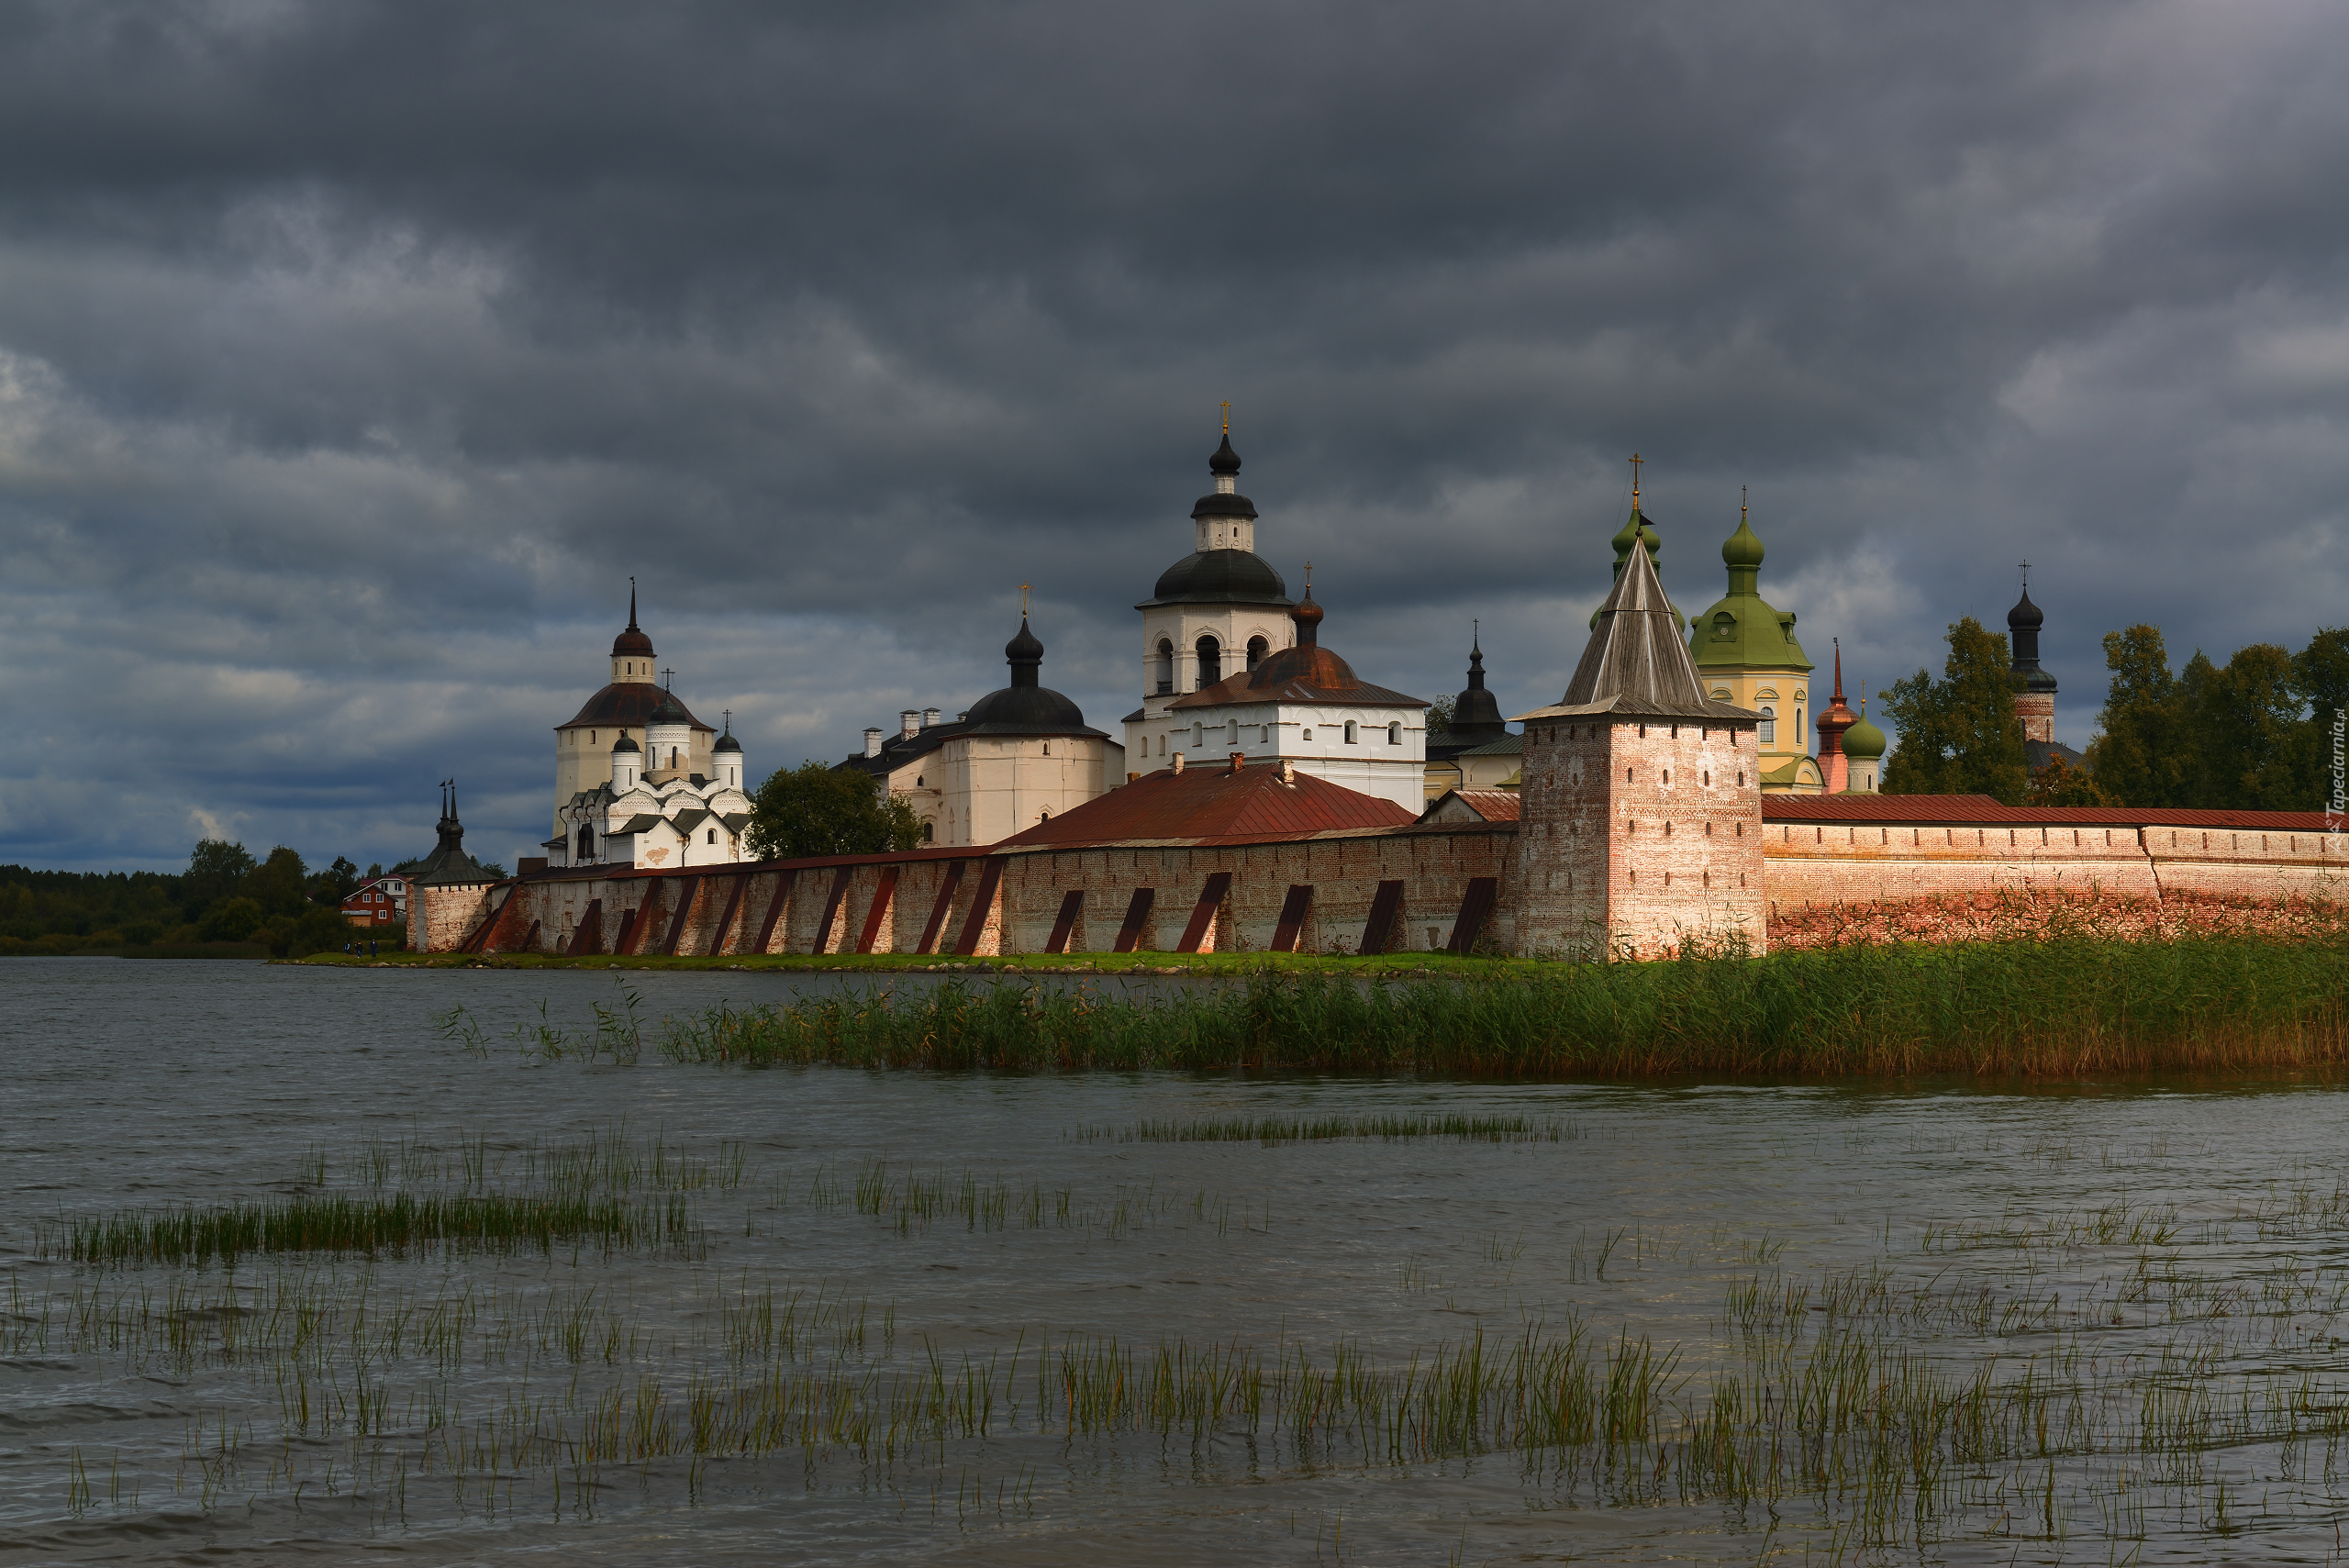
{"x":1635,"y":663}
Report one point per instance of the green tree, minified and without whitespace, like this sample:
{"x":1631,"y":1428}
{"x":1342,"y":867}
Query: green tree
{"x":2321,"y":676}
{"x":214,"y":871}
{"x":315,"y":929}
{"x":1438,"y":720}
{"x":2243,"y":719}
{"x":2140,"y":752}
{"x":231,"y":920}
{"x":2060,"y":783}
{"x":278,"y":884}
{"x":816,"y":809}
{"x":1959,"y":735}
{"x":332,"y":885}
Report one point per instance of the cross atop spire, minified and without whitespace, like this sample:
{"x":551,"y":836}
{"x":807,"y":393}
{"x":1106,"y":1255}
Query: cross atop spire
{"x":631,"y":604}
{"x":1635,"y":481}
{"x":1227,"y":416}
{"x":1023,"y":601}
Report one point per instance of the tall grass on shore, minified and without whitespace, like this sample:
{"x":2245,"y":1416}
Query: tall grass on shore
{"x":1271,"y":1130}
{"x":2029,"y":1009}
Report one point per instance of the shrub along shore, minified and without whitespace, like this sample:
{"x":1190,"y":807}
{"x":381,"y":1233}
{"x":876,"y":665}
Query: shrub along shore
{"x":2016,"y":1010}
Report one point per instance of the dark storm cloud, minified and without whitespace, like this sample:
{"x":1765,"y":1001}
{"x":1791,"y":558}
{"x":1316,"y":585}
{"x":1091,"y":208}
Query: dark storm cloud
{"x":351,"y":358}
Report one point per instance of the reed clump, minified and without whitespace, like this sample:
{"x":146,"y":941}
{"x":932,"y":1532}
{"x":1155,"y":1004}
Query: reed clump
{"x":392,"y":1224}
{"x":2027,"y":1008}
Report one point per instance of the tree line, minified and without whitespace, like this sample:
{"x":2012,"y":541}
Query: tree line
{"x":225,"y":895}
{"x":2253,"y":734}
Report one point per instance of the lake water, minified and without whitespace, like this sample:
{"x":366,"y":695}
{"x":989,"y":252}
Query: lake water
{"x":948,"y":1293}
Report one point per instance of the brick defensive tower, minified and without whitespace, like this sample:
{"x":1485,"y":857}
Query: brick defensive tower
{"x":1641,"y":809}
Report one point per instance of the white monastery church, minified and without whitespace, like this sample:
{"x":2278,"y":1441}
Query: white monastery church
{"x":639,"y":781}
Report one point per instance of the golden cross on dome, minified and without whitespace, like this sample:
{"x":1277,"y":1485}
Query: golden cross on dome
{"x":1227,"y":416}
{"x":1309,"y":579}
{"x":1635,"y":479}
{"x":1023,"y":601}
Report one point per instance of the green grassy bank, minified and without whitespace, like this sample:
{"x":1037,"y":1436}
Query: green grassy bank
{"x":2029,"y":1010}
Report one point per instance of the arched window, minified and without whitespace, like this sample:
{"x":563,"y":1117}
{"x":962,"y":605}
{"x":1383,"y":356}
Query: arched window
{"x":1231,"y":732}
{"x":1799,"y":733}
{"x":1047,"y":748}
{"x":1350,"y":732}
{"x":1257,"y":649}
{"x":928,"y":831}
{"x":1769,"y":727}
{"x":713,"y":837}
{"x":1395,"y":735}
{"x":1210,"y":661}
{"x":1198,"y":735}
{"x":586,"y":851}
{"x":1264,"y":735}
{"x":1166,"y":671}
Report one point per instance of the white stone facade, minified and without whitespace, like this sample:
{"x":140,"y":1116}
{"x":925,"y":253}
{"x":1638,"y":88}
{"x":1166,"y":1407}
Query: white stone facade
{"x":1377,"y":749}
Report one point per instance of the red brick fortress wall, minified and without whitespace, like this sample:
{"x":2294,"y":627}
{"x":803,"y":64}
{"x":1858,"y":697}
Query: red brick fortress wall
{"x":1591,"y":856}
{"x":1839,"y":850}
{"x":885,"y":903}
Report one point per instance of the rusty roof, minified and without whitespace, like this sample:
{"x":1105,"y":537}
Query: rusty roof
{"x":1489,"y":804}
{"x":1982,"y":810}
{"x":1214,"y":804}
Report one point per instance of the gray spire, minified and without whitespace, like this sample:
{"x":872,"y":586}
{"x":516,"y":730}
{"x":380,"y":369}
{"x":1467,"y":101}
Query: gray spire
{"x":1635,"y":663}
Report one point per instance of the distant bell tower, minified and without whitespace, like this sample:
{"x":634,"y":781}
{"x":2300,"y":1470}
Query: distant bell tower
{"x":2034,"y":687}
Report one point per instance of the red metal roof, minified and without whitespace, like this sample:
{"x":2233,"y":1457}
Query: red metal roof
{"x":1491,"y":805}
{"x":1983,"y":809}
{"x":1213,"y":803}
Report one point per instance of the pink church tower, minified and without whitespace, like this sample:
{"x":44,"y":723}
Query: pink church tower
{"x":1833,"y":719}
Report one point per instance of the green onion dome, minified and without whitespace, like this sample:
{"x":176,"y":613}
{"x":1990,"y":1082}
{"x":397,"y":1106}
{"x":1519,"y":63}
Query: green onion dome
{"x":1864,"y":740}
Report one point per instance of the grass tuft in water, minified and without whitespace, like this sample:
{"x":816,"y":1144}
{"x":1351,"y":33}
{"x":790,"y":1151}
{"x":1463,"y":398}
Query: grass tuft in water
{"x":391,"y":1224}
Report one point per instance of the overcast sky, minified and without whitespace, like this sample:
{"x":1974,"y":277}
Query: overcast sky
{"x":352,"y":357}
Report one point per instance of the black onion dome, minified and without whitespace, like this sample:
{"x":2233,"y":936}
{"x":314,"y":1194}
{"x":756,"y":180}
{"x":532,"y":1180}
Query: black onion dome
{"x":1023,"y":649}
{"x":1476,"y":712}
{"x":1221,"y":506}
{"x":670,"y":711}
{"x":1024,"y":707}
{"x":2026,"y":614}
{"x":1220,"y":577}
{"x":1225,"y":460}
{"x":1028,"y":710}
{"x":727,"y":742}
{"x":625,"y":744}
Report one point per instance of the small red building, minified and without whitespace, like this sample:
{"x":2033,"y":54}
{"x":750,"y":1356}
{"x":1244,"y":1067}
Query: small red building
{"x":381,"y":902}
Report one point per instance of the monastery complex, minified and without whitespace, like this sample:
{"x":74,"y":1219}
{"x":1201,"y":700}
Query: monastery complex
{"x":1263,"y":797}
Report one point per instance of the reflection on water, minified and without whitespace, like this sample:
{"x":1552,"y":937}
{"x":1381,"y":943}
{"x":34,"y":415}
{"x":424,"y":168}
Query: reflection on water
{"x":653,"y":1313}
